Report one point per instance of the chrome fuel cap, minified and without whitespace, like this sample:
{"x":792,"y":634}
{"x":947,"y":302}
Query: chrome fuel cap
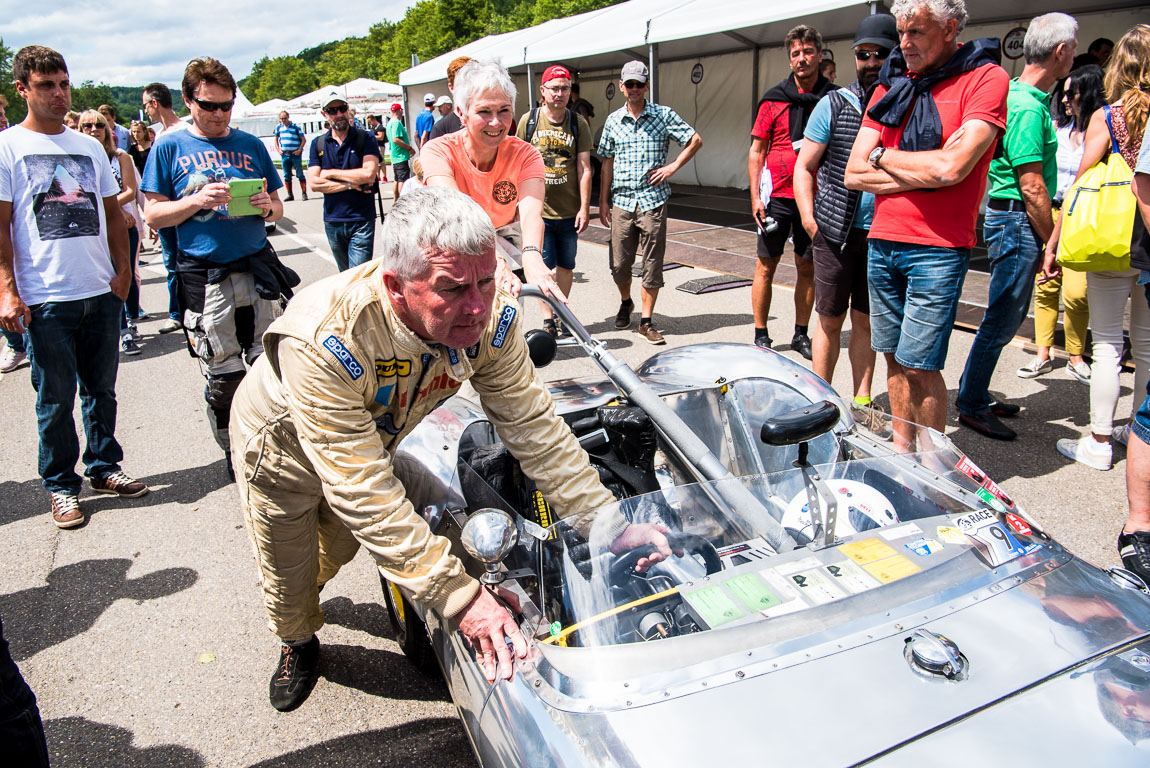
{"x":933,"y":655}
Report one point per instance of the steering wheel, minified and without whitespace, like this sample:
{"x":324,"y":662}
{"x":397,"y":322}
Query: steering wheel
{"x":624,"y":565}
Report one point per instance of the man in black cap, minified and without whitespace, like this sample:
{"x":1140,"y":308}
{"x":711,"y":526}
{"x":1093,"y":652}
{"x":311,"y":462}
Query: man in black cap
{"x":837,"y":220}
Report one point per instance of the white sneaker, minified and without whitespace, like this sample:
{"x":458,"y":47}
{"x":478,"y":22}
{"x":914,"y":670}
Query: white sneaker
{"x":132,"y":329}
{"x":1086,"y":450}
{"x":11,"y":359}
{"x":1035,"y":367}
{"x":1121,"y":435}
{"x":1079,"y":371}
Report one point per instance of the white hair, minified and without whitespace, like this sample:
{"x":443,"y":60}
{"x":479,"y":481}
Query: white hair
{"x":476,"y":77}
{"x":942,"y":10}
{"x":1046,"y":33}
{"x":431,"y":220}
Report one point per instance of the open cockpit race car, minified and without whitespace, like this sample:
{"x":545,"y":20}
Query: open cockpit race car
{"x":831,"y":602}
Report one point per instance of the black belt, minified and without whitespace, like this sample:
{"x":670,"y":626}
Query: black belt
{"x":1002,"y":204}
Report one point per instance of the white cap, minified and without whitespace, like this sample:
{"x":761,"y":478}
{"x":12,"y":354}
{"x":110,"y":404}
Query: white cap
{"x":429,"y":98}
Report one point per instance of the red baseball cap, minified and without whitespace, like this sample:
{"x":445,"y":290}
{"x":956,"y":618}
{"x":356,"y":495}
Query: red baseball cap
{"x":396,"y":107}
{"x":554,"y":71}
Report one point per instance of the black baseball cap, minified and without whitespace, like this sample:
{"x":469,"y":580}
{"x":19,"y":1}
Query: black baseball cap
{"x":877,"y":29}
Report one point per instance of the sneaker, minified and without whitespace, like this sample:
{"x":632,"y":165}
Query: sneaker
{"x":11,"y":359}
{"x":304,"y":195}
{"x":1086,"y":450}
{"x":872,"y":418}
{"x":128,"y":345}
{"x":1121,"y":435}
{"x":143,"y":316}
{"x":295,"y":675}
{"x":550,"y":327}
{"x":1134,"y":549}
{"x":1079,"y":371}
{"x":651,"y":333}
{"x":763,"y":341}
{"x":1035,"y":367}
{"x":171,"y":324}
{"x":801,"y":343}
{"x":132,"y":329}
{"x":66,"y":510}
{"x":290,"y":198}
{"x":623,"y":316}
{"x":119,"y":484}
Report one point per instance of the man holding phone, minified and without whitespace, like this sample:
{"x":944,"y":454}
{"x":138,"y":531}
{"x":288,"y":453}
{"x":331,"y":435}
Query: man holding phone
{"x":193,"y":183}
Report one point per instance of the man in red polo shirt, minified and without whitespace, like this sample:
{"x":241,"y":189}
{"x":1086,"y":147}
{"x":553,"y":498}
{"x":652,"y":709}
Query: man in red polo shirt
{"x":924,"y":149}
{"x":775,"y":139}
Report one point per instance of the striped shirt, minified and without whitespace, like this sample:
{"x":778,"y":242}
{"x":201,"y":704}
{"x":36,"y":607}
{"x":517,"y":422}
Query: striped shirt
{"x":290,"y":137}
{"x":639,"y":147}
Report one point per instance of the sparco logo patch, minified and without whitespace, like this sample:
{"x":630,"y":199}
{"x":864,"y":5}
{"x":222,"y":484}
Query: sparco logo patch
{"x":345,"y":358}
{"x":505,"y":319}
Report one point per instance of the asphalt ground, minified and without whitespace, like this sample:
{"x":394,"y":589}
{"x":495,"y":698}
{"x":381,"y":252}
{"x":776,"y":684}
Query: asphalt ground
{"x":143,"y":632}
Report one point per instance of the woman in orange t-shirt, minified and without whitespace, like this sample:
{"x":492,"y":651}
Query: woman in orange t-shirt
{"x":495,"y":169}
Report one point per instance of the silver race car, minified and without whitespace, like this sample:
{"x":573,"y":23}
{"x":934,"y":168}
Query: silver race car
{"x":832,"y":601}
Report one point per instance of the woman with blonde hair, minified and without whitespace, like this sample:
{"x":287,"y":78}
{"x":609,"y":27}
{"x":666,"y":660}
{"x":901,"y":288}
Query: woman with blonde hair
{"x":93,"y":124}
{"x":1127,"y":84}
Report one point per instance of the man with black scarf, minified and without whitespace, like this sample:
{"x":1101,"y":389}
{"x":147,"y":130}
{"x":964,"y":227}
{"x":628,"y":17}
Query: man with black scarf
{"x":775,"y":140}
{"x":924,"y":148}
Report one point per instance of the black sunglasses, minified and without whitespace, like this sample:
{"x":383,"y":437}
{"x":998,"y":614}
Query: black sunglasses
{"x":90,"y":126}
{"x":334,"y":110}
{"x":212,"y":106}
{"x":880,"y":54}
{"x":633,"y":84}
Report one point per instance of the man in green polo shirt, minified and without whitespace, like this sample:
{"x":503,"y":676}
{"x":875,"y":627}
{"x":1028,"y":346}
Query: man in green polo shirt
{"x":1018,"y":222}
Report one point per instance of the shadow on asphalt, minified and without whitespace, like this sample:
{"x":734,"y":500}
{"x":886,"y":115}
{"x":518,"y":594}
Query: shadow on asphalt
{"x":438,"y":742}
{"x":75,"y":597}
{"x":75,"y":741}
{"x":376,"y":672}
{"x":363,"y":617}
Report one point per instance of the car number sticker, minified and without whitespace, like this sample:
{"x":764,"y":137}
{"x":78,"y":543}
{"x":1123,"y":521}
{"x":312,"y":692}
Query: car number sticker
{"x":900,"y":532}
{"x":892,"y":569}
{"x":951,"y":535}
{"x":999,"y":546}
{"x":714,"y":606}
{"x":923,"y":547}
{"x":1017,"y":524}
{"x":752,"y":592}
{"x":850,"y":577}
{"x":815,"y":586}
{"x":867,"y":551}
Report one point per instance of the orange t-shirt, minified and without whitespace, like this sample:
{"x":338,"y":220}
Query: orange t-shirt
{"x":497,"y":190}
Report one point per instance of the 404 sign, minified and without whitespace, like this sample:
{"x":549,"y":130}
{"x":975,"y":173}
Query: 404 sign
{"x":1012,"y":43}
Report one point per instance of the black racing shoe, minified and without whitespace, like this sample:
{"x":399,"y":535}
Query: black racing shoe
{"x":801,"y":343}
{"x":295,"y":675}
{"x":763,"y":341}
{"x":1134,"y":549}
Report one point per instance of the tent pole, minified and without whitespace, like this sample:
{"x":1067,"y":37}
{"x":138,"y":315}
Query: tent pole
{"x":873,"y":8}
{"x":530,"y":90}
{"x":754,"y":82}
{"x":653,"y":69}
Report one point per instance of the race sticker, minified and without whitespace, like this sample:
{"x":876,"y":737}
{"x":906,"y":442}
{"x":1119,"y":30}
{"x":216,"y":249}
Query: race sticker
{"x":802,"y":564}
{"x":971,"y":470}
{"x":900,"y":532}
{"x":785,"y":589}
{"x":968,"y":468}
{"x":345,"y":358}
{"x":815,"y":586}
{"x":867,"y":551}
{"x":850,"y":577}
{"x":951,"y":535}
{"x":713,"y":606}
{"x":753,"y":592}
{"x":1017,"y":524}
{"x":996,"y":544}
{"x":923,"y":547}
{"x":990,"y":499}
{"x":892,"y":569}
{"x":968,"y":524}
{"x":505,"y":319}
{"x":556,"y":628}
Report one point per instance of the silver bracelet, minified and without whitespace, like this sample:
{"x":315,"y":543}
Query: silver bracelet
{"x":532,"y":248}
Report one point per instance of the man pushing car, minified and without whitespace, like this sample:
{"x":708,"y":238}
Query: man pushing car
{"x":353,"y":365}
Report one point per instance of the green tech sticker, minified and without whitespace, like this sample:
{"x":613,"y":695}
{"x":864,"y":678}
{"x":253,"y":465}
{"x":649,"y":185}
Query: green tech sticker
{"x":990,"y":499}
{"x":753,"y":592}
{"x":714,"y":606}
{"x":556,"y":627}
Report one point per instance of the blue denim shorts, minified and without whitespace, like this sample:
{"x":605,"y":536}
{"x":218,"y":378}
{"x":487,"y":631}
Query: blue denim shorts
{"x":914,"y":293}
{"x":560,"y":243}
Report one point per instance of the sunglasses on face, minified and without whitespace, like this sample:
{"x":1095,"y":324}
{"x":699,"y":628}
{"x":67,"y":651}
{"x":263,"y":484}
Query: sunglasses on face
{"x":90,"y":126}
{"x":214,"y":106}
{"x":335,"y":110}
{"x":632,"y":85}
{"x":880,"y":54}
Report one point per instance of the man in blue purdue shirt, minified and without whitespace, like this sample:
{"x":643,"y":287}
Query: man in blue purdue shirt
{"x":289,"y":143}
{"x":343,"y":166}
{"x":220,"y":258}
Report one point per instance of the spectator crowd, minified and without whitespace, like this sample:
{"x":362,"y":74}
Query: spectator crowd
{"x":875,"y":187}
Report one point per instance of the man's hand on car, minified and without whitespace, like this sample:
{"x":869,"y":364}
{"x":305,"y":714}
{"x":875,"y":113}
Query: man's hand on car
{"x":487,"y":626}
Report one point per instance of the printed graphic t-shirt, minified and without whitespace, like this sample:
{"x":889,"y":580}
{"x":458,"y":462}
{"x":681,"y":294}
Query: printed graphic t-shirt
{"x":56,"y":185}
{"x":181,"y":163}
{"x":497,"y":190}
{"x":557,"y":146}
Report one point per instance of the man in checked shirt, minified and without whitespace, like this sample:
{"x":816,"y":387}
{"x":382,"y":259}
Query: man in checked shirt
{"x":634,"y":184}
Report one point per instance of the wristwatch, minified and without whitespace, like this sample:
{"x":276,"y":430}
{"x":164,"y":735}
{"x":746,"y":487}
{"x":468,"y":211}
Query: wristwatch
{"x":874,"y":156}
{"x":266,"y":214}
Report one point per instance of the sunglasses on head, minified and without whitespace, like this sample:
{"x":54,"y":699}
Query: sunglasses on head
{"x":633,"y":84}
{"x":335,"y":110}
{"x":213,"y":106}
{"x":90,"y":126}
{"x":880,"y":54}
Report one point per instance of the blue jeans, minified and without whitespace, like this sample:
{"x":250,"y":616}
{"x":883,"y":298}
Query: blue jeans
{"x":560,"y":243}
{"x":70,"y":341}
{"x":15,"y":340}
{"x":168,"y":248}
{"x":352,"y":242}
{"x":1140,"y":426}
{"x":290,"y":161}
{"x":21,"y":730}
{"x":914,"y":293}
{"x":132,"y":304}
{"x":1013,"y":251}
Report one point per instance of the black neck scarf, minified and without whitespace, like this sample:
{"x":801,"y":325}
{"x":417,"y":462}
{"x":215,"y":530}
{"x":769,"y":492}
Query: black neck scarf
{"x":910,"y":92}
{"x":801,"y":103}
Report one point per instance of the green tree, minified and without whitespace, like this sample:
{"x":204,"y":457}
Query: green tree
{"x":346,"y":61}
{"x":89,"y":95}
{"x":284,"y":77}
{"x":17,"y":108}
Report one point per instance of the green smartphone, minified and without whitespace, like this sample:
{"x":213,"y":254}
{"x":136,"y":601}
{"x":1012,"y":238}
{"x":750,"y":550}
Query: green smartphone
{"x":242,"y":191}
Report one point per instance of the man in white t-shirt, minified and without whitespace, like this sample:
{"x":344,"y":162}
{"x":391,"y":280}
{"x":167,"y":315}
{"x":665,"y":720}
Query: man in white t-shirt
{"x":64,"y":274}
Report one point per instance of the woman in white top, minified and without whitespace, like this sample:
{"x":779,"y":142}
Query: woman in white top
{"x":1072,"y":103}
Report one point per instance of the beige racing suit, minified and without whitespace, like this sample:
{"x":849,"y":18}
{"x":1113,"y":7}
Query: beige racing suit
{"x":315,"y":422}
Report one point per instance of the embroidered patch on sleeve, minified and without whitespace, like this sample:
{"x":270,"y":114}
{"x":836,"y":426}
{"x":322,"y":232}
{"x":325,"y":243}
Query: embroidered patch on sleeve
{"x":505,"y":319}
{"x":345,"y":358}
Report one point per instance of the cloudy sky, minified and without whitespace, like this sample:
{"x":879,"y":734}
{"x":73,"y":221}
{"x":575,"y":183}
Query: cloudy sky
{"x":141,"y":42}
